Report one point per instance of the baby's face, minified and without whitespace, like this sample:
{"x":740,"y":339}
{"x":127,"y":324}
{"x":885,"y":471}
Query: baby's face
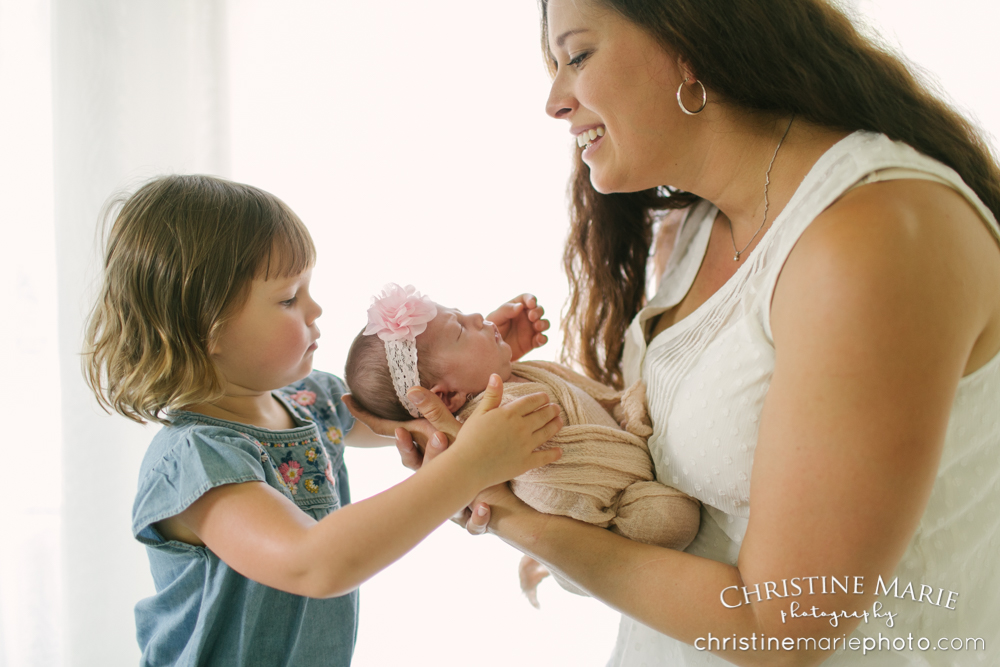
{"x":466,"y":349}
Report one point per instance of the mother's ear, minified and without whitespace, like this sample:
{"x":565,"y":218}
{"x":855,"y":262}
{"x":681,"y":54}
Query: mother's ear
{"x":686,"y":71}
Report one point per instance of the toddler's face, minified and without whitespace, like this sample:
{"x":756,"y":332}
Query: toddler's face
{"x":270,"y":341}
{"x":466,"y":349}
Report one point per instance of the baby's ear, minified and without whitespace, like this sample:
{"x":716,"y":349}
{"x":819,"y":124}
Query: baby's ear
{"x":454,"y":400}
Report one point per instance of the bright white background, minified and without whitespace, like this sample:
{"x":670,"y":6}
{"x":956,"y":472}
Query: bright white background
{"x":411,"y":138}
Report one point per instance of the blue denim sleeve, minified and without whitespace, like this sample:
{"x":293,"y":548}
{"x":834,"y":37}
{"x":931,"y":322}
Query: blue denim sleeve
{"x":338,"y":388}
{"x":325,"y":407}
{"x":328,"y":408}
{"x":182,"y":464}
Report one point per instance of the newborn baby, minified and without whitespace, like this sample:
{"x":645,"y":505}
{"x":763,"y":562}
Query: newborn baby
{"x":605,"y":475}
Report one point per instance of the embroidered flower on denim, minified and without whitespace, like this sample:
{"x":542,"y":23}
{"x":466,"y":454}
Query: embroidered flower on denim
{"x":260,"y":447}
{"x":324,"y":411}
{"x":291,"y":472}
{"x":304,"y":397}
{"x":334,"y":434}
{"x":282,"y":482}
{"x":328,"y":472}
{"x":311,"y":454}
{"x":311,"y":486}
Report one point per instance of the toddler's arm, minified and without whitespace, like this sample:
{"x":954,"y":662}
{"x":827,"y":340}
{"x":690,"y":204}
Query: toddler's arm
{"x":264,"y":536}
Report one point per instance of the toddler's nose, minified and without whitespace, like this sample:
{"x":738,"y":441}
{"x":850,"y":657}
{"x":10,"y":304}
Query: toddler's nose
{"x":314,"y":312}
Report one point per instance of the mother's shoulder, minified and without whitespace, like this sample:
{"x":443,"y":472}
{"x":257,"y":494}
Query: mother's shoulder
{"x":892,"y":247}
{"x":892,"y":225}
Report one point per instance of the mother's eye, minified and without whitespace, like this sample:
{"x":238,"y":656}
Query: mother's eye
{"x":575,"y":61}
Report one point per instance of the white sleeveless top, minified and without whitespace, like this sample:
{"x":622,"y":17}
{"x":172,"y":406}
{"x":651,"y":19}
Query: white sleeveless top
{"x":708,"y":374}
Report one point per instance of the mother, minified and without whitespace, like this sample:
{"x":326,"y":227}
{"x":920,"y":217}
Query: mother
{"x":821,"y":357}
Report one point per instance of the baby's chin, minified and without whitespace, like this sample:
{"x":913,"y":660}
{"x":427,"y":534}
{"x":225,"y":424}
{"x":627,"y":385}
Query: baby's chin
{"x":505,"y":372}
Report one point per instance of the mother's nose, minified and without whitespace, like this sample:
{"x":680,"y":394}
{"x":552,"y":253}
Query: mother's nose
{"x":560,"y":103}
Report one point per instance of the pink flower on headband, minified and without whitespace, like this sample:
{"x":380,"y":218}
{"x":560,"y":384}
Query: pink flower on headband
{"x":399,"y":313}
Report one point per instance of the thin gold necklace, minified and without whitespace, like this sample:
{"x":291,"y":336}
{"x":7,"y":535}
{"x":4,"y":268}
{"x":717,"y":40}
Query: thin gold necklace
{"x":767,"y":182}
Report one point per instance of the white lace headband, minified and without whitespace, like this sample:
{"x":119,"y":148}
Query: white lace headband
{"x":397,"y":316}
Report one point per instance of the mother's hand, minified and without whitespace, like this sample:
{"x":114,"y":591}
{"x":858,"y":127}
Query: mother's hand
{"x":413,"y":436}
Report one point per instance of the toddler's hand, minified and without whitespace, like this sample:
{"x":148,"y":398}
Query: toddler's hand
{"x":521,"y":323}
{"x":498,"y":441}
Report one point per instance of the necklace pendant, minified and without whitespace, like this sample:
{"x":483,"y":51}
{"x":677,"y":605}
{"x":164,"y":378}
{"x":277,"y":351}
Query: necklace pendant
{"x":736,"y":257}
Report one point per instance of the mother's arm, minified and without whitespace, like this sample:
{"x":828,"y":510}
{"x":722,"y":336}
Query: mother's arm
{"x":874,"y":319}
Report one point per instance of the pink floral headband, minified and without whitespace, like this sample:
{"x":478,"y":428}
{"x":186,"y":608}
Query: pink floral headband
{"x":398,"y":315}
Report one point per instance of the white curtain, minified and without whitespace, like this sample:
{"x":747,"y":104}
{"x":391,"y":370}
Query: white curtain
{"x":411,"y":138}
{"x":98,"y":94}
{"x":31,"y":486}
{"x":139,"y":88}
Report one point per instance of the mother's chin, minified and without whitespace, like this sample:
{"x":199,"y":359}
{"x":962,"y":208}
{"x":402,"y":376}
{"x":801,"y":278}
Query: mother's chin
{"x":611,"y":170}
{"x":607,"y":174}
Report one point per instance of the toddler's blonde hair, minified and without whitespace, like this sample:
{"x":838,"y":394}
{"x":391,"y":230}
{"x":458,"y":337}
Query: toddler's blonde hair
{"x":180,"y":257}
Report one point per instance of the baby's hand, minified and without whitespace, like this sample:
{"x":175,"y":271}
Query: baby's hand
{"x":498,"y":442}
{"x":531,"y":572}
{"x":521,"y":324}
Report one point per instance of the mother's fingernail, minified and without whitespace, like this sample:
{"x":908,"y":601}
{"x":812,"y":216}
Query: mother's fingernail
{"x":416,"y":396}
{"x":481,"y":511}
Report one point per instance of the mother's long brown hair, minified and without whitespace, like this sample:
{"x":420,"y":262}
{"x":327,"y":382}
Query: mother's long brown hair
{"x":781,"y":56}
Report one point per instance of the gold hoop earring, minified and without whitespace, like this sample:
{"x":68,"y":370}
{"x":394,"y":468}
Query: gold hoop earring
{"x":704,"y":98}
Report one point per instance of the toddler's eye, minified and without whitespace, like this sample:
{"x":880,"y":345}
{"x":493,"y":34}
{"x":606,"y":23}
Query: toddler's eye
{"x":289,"y":302}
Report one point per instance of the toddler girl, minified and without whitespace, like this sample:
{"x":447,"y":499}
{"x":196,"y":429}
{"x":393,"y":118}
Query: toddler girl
{"x":206,"y":325}
{"x":605,"y":474}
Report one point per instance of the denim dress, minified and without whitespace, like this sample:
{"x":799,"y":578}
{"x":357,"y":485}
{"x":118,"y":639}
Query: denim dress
{"x":204,"y":612}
